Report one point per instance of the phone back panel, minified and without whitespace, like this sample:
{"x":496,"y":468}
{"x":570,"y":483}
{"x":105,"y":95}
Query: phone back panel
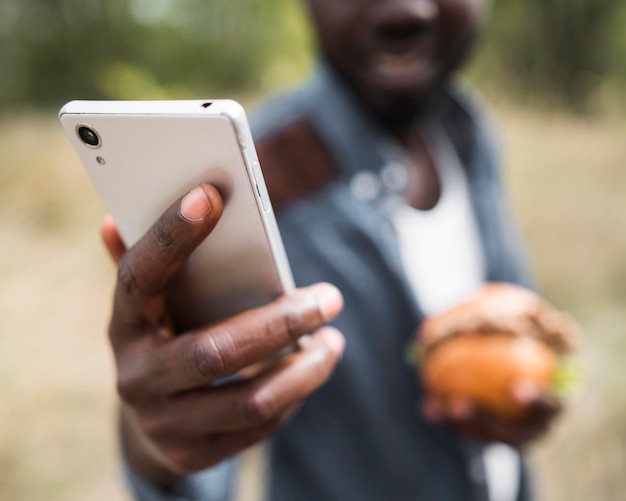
{"x":152,"y":155}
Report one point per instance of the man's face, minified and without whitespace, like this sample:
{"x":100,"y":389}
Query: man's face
{"x":396,"y":52}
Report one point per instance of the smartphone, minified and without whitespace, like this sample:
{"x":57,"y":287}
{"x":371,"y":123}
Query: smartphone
{"x":143,"y":155}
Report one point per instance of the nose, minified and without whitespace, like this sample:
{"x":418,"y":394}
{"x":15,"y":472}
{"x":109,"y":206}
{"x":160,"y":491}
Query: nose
{"x":397,"y":21}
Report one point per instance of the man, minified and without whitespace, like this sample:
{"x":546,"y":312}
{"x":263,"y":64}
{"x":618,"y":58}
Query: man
{"x":366,"y":165}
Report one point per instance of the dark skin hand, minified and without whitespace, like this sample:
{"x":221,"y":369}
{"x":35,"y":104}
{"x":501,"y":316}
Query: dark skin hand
{"x":173,"y":420}
{"x":477,"y":422}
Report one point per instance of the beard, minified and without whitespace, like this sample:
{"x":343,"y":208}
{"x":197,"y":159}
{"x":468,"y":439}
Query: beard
{"x":395,"y":108}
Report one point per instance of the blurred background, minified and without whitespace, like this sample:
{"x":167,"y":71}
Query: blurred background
{"x":554,"y":74}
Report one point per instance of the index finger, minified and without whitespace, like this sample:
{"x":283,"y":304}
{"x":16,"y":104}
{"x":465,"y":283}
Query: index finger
{"x":198,"y":358}
{"x":112,"y":239}
{"x":146,"y":269}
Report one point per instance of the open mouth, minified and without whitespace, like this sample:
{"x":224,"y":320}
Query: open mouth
{"x":404,"y":65}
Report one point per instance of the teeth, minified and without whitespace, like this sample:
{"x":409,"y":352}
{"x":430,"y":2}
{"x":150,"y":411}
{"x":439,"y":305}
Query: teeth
{"x":394,"y":59}
{"x":396,"y":63}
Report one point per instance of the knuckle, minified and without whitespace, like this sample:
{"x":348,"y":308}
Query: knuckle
{"x":261,"y":408}
{"x":126,"y":276}
{"x":131,"y":276}
{"x":129,"y":384}
{"x":206,"y":360}
{"x":163,"y":235}
{"x":292,"y":321}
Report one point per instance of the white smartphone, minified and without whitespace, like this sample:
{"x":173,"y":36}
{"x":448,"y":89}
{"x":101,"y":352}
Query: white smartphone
{"x":143,"y":155}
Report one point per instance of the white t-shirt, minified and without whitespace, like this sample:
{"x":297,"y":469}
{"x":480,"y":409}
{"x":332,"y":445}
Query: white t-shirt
{"x":442,"y":256}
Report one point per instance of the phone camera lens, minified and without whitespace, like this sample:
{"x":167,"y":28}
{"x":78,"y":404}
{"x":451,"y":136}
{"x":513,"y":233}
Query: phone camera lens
{"x":88,"y":136}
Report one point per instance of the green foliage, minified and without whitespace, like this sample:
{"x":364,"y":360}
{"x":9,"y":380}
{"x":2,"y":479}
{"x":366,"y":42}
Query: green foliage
{"x":55,"y":50}
{"x":565,"y":49}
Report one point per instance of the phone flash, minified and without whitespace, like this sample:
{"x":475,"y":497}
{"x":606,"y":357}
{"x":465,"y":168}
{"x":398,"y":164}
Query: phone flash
{"x":101,"y":160}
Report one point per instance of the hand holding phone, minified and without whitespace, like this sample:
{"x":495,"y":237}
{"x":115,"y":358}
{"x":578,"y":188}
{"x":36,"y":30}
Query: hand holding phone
{"x":174,"y":421}
{"x":170,"y":352}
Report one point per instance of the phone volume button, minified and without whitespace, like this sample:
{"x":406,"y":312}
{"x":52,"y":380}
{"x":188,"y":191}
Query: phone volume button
{"x":260,"y":186}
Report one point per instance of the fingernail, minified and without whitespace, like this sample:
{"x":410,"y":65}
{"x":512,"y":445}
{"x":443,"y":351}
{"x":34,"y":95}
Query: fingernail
{"x":329,"y":301}
{"x":461,"y":408}
{"x":336,"y":342}
{"x":195,"y":206}
{"x":525,"y":391}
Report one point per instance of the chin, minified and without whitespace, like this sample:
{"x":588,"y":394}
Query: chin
{"x":395,"y":104}
{"x":399,"y":94}
{"x":394,"y":97}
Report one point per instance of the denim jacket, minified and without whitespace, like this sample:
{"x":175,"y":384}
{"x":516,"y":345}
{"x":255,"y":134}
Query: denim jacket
{"x":362,"y":436}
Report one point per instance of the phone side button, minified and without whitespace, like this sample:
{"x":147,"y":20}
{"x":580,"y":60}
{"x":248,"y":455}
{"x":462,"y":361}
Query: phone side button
{"x":260,"y":187}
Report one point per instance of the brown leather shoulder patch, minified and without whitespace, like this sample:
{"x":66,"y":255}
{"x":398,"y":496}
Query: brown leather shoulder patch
{"x":295,"y":163}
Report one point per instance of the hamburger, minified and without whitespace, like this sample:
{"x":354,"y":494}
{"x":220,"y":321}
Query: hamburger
{"x":502,"y":335}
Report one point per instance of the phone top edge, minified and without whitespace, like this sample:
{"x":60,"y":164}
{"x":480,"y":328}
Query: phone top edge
{"x":63,"y":110}
{"x":225,"y":107}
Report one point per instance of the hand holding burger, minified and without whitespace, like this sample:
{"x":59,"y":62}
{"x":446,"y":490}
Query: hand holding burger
{"x":489,"y":364}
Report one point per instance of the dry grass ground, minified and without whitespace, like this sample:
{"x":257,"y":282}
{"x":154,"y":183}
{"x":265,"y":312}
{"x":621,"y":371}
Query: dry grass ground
{"x":568,"y":183}
{"x":56,"y":420}
{"x":567,"y":178}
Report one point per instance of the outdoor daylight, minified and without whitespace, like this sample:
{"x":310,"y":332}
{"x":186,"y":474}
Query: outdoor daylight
{"x":533,"y":126}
